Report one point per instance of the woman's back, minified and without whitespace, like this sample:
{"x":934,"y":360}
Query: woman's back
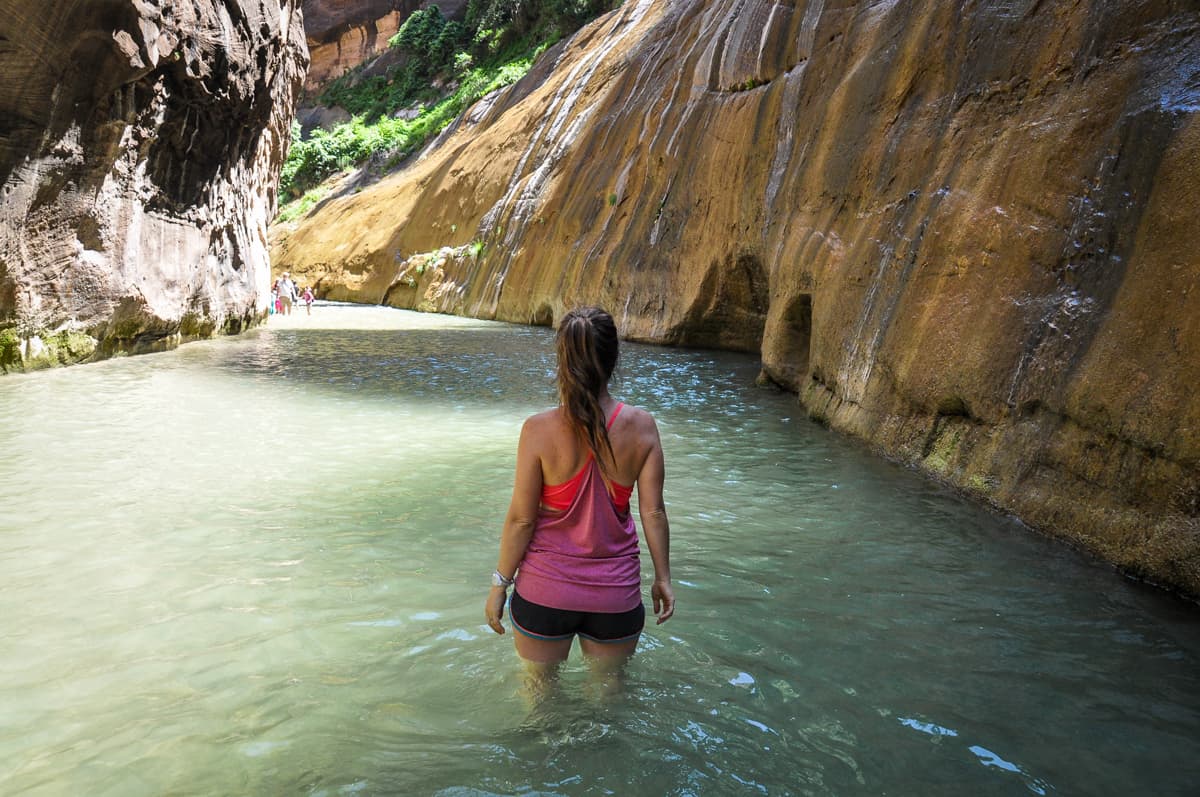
{"x":563,"y":455}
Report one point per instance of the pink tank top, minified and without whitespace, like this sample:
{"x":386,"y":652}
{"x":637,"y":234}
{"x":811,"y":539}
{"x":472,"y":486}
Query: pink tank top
{"x":585,"y":558}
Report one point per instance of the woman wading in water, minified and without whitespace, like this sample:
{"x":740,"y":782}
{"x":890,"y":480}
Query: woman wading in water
{"x":568,"y":528}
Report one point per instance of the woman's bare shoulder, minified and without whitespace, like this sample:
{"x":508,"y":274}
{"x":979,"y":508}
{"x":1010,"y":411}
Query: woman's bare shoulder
{"x":639,"y":419}
{"x":545,"y":422}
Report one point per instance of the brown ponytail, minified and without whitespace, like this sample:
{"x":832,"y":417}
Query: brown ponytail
{"x":587,"y":354}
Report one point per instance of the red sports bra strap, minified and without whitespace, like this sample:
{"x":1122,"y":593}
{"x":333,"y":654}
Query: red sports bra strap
{"x":616,"y":411}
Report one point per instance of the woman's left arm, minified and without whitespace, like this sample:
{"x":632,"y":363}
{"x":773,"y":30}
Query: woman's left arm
{"x":519,"y":522}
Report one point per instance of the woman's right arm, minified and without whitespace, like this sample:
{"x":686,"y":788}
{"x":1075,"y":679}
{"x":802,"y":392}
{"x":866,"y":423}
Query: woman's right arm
{"x":655,"y":527}
{"x":518,"y":523}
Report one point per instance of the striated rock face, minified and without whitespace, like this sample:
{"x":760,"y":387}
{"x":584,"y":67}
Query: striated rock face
{"x":964,"y":232}
{"x":140,"y":146}
{"x":345,"y":33}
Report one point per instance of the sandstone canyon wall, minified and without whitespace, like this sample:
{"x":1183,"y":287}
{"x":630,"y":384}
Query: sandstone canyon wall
{"x":140,"y":147}
{"x":345,"y":33}
{"x":965,"y":232}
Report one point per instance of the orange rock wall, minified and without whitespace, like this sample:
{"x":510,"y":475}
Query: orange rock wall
{"x":963,"y":232}
{"x":343,"y":34}
{"x":348,"y":47}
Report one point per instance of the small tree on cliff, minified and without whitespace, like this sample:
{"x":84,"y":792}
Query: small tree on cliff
{"x":504,"y":21}
{"x":430,"y":40}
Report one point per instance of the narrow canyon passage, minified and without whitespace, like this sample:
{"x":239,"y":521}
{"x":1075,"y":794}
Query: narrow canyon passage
{"x":911,"y":288}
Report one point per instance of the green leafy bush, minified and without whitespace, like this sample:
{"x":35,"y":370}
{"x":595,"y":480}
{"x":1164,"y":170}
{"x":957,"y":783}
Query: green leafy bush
{"x":427,"y":33}
{"x":327,"y":152}
{"x":378,"y":96}
{"x":294,"y":210}
{"x":504,"y":21}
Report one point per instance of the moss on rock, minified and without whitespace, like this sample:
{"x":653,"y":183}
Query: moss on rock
{"x":195,"y":325}
{"x":71,"y":346}
{"x":10,"y":350}
{"x":45,"y":350}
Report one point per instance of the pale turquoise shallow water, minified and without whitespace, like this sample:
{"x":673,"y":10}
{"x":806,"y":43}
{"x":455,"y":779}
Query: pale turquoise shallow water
{"x":257,"y":566}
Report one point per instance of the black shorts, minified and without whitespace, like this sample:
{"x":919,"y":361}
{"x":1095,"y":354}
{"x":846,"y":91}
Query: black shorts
{"x":543,"y":622}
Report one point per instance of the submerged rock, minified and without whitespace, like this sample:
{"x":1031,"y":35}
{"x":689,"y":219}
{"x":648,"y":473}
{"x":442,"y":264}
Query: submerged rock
{"x":966,"y":234}
{"x":140,"y":147}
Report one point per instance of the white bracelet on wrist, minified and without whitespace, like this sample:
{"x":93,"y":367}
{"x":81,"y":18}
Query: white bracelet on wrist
{"x":500,"y":581}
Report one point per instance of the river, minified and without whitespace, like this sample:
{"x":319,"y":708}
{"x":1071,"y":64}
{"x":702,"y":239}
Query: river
{"x":257,"y":565}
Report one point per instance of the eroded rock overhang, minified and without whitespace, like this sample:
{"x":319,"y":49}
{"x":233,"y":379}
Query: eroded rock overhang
{"x":140,"y":147}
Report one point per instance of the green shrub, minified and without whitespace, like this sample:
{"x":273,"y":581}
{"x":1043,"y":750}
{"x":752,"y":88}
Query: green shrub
{"x":503,"y":21}
{"x":327,"y":152}
{"x":428,"y":33}
{"x":297,"y":208}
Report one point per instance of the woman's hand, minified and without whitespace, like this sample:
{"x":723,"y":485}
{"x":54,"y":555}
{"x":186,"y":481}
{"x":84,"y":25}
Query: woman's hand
{"x":664,"y":600}
{"x":494,"y":608}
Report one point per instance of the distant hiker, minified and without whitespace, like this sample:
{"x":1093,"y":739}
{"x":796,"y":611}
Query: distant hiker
{"x":568,"y":528}
{"x":287,"y":293}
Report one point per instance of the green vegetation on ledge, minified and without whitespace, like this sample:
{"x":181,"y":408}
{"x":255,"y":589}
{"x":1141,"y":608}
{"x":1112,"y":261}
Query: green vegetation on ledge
{"x":439,"y":68}
{"x":297,"y":208}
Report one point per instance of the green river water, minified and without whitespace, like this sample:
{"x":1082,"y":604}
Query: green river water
{"x":257,"y":566}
